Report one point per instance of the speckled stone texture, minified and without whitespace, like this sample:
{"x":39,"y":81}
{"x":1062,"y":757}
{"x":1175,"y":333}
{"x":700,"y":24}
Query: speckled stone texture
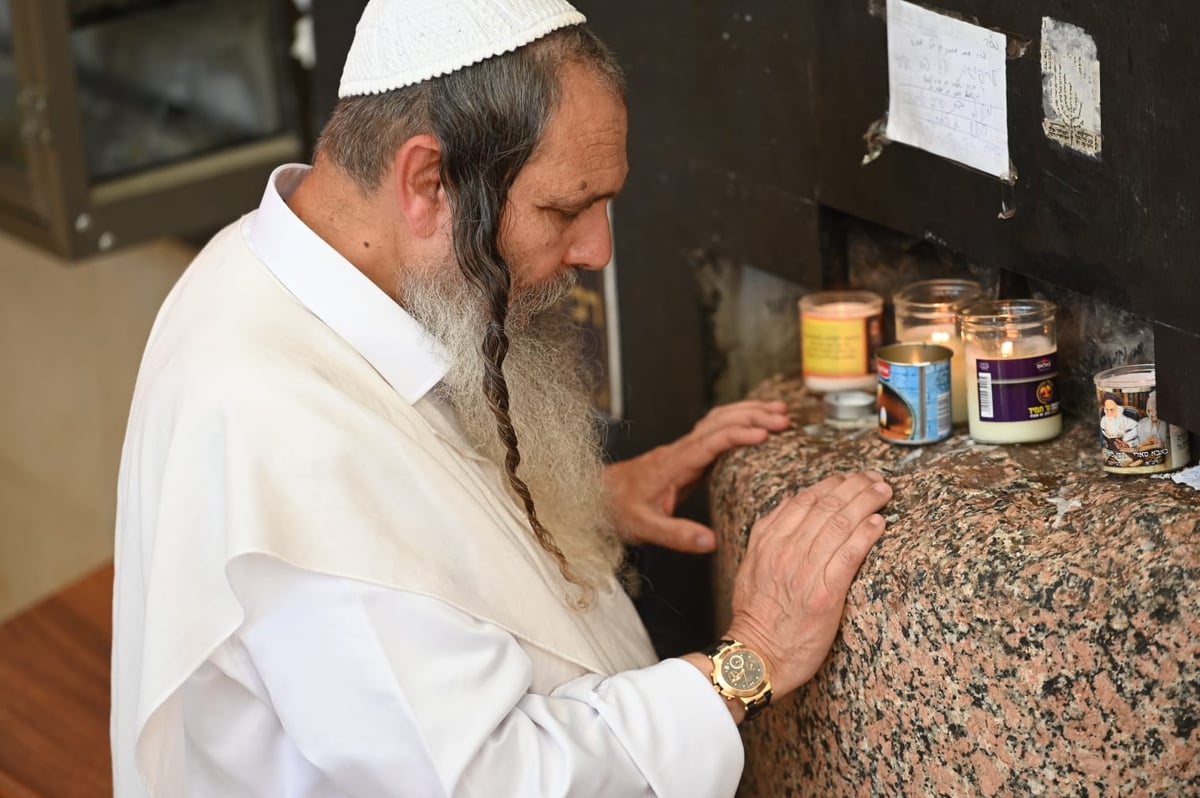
{"x":1029,"y":625}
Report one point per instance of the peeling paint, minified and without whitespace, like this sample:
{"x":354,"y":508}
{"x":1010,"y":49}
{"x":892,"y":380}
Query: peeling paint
{"x":752,"y":321}
{"x":876,"y":139}
{"x":1017,"y":47}
{"x":1008,"y":196}
{"x":934,"y":238}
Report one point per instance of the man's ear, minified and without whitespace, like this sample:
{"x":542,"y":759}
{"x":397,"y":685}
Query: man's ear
{"x":417,"y":181}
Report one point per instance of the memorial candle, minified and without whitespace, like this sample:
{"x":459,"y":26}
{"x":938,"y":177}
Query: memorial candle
{"x":1012,"y":363}
{"x":839,"y":333}
{"x":926,"y":312}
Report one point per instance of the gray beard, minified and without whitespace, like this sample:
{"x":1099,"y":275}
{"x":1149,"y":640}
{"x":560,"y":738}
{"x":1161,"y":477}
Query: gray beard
{"x":550,"y":405}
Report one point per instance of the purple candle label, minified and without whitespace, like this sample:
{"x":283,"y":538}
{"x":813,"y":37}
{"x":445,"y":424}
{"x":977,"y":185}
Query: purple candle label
{"x":1018,"y":388}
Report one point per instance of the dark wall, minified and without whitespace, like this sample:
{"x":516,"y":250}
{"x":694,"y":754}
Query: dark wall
{"x":747,"y":128}
{"x":746,"y":138}
{"x":333,"y":30}
{"x":1122,"y":229}
{"x":746,"y":142}
{"x":721,"y":169}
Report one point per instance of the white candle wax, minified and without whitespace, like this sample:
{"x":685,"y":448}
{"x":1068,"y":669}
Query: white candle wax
{"x":842,"y":310}
{"x":984,"y":431}
{"x":944,"y":335}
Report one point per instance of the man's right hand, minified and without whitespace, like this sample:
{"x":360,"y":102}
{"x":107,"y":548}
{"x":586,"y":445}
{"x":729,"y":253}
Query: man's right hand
{"x":791,"y":587}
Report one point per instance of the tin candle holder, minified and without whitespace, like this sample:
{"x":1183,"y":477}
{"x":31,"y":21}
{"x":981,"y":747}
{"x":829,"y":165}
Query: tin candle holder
{"x":1011,"y":350}
{"x":839,"y":333}
{"x":914,"y":393}
{"x":927,"y":312}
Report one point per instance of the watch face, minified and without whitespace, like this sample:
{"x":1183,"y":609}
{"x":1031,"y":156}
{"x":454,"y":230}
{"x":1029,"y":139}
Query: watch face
{"x":743,"y":670}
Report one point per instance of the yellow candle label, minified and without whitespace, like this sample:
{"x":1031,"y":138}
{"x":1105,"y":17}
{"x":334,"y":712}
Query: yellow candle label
{"x":838,"y":347}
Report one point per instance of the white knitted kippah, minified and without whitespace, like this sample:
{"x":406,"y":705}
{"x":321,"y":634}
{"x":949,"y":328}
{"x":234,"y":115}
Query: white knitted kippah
{"x":402,"y":42}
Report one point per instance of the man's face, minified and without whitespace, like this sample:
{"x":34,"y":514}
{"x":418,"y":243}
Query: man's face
{"x":556,"y":219}
{"x":550,"y":402}
{"x":1110,"y":408}
{"x":557,"y":213}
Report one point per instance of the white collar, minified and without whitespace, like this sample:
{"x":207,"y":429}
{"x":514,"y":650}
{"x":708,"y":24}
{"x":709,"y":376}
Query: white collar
{"x":340,"y":295}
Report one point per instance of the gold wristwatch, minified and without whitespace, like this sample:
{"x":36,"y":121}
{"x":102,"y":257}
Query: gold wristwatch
{"x":740,"y":673}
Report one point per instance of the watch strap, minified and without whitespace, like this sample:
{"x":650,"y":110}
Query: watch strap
{"x":757,"y":705}
{"x":712,"y":650}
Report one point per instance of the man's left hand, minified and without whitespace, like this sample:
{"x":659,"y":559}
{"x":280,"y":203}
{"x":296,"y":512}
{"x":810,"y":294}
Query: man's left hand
{"x":645,"y":490}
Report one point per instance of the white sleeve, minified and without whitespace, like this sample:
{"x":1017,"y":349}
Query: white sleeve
{"x":365,"y":678}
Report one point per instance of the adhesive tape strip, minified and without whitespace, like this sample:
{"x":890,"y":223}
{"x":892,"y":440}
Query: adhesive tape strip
{"x":849,"y":405}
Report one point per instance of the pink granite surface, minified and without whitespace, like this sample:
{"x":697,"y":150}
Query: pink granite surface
{"x":1028,"y":626}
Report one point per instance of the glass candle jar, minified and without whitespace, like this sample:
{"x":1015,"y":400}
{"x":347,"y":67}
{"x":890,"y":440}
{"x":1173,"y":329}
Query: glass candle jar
{"x":927,"y":312}
{"x":839,"y":333}
{"x":1011,"y":353}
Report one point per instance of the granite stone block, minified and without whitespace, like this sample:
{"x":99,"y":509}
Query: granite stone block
{"x":1029,"y":625}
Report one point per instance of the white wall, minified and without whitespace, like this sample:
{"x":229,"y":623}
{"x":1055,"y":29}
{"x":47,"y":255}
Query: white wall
{"x":71,"y":337}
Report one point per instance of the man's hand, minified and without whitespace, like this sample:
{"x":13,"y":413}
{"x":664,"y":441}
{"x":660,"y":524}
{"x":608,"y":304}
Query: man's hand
{"x":645,"y":490}
{"x":801,"y":558}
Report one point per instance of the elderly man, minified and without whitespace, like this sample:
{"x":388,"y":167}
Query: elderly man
{"x":366,"y":545}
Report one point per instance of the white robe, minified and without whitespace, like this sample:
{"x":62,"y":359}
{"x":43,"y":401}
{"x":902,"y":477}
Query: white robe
{"x":282,"y":424}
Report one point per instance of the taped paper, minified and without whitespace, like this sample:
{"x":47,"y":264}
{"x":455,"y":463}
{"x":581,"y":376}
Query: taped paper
{"x":948,"y":88}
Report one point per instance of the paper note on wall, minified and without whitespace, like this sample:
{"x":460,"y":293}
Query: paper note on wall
{"x":1070,"y":87}
{"x":948,"y":88}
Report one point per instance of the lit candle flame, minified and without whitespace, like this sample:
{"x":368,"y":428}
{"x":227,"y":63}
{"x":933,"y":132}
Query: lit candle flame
{"x":1006,"y":349}
{"x":939,"y":337}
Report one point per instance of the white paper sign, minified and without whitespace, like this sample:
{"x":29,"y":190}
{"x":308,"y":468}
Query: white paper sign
{"x":948,"y":87}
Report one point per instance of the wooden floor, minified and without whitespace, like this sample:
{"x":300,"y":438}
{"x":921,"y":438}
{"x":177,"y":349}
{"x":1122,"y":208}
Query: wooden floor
{"x":54,"y":694}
